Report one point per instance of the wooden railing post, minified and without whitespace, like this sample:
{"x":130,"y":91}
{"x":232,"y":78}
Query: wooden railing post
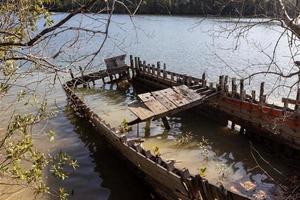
{"x":132,"y":66}
{"x":81,"y":71}
{"x":221,"y":83}
{"x":172,"y":76}
{"x":136,"y":65}
{"x":253,"y":95}
{"x":144,"y":66}
{"x":71,"y":73}
{"x":158,"y":68}
{"x":262,"y":98}
{"x":242,"y":93}
{"x":139,"y":64}
{"x":297,"y":106}
{"x":204,"y":80}
{"x":165,"y":71}
{"x":153,"y":70}
{"x":233,"y":87}
{"x":131,"y":61}
{"x":226,"y":88}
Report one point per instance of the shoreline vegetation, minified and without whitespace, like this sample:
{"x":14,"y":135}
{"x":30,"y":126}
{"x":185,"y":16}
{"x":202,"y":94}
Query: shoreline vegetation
{"x":212,"y":8}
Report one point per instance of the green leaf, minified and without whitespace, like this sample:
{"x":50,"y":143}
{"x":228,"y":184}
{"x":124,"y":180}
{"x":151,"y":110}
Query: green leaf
{"x":51,"y":135}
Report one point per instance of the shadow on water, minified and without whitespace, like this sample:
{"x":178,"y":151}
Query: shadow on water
{"x":116,"y":175}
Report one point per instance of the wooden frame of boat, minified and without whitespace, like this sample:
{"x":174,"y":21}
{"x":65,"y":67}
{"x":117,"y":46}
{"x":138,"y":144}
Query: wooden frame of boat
{"x":167,"y":180}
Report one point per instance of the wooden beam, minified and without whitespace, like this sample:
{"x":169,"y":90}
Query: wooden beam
{"x":166,"y":123}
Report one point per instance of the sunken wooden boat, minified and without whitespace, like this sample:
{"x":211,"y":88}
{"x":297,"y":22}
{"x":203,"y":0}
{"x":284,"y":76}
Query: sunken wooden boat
{"x":172,"y":93}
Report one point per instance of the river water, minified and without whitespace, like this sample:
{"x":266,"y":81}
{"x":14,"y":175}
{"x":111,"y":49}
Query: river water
{"x":187,"y":45}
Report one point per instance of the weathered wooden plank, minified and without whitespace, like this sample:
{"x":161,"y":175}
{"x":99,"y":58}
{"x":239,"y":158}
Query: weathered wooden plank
{"x":187,"y":93}
{"x":155,"y":106}
{"x":164,"y":100}
{"x":145,"y":97}
{"x":140,"y":110}
{"x":115,"y":62}
{"x":174,"y":97}
{"x":291,"y":101}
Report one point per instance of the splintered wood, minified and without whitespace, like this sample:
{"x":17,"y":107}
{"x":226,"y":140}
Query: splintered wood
{"x":163,"y":102}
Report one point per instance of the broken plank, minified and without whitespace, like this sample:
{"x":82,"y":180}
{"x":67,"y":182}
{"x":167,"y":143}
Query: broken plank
{"x":140,"y":110}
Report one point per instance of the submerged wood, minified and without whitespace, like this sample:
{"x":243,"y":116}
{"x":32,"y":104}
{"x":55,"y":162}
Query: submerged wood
{"x":167,"y":180}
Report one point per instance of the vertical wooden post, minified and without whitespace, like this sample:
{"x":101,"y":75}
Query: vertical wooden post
{"x":297,"y":107}
{"x":136,"y":65}
{"x":184,"y":79}
{"x":153,"y":70}
{"x":144,"y":66}
{"x":166,"y":123}
{"x":81,"y":71}
{"x":131,"y":61}
{"x":253,"y":94}
{"x":204,"y":80}
{"x":71,"y":73}
{"x":262,"y":99}
{"x":242,"y":130}
{"x":158,"y":68}
{"x":221,"y":83}
{"x":131,"y":66}
{"x":148,"y":68}
{"x":242,"y":94}
{"x":188,"y":81}
{"x":147,"y":128}
{"x":139,"y":63}
{"x":285,"y":105}
{"x":232,"y":125}
{"x":128,"y":73}
{"x":165,"y":72}
{"x":233,"y":87}
{"x":226,"y":84}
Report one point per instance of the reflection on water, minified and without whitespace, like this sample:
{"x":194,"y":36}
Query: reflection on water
{"x":196,"y":143}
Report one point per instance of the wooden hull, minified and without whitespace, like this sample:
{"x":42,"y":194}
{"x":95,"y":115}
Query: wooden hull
{"x":169,"y":182}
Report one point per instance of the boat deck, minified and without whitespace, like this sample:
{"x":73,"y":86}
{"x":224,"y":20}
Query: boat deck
{"x":161,"y":103}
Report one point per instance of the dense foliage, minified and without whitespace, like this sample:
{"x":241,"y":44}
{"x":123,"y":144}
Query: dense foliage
{"x":186,"y":7}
